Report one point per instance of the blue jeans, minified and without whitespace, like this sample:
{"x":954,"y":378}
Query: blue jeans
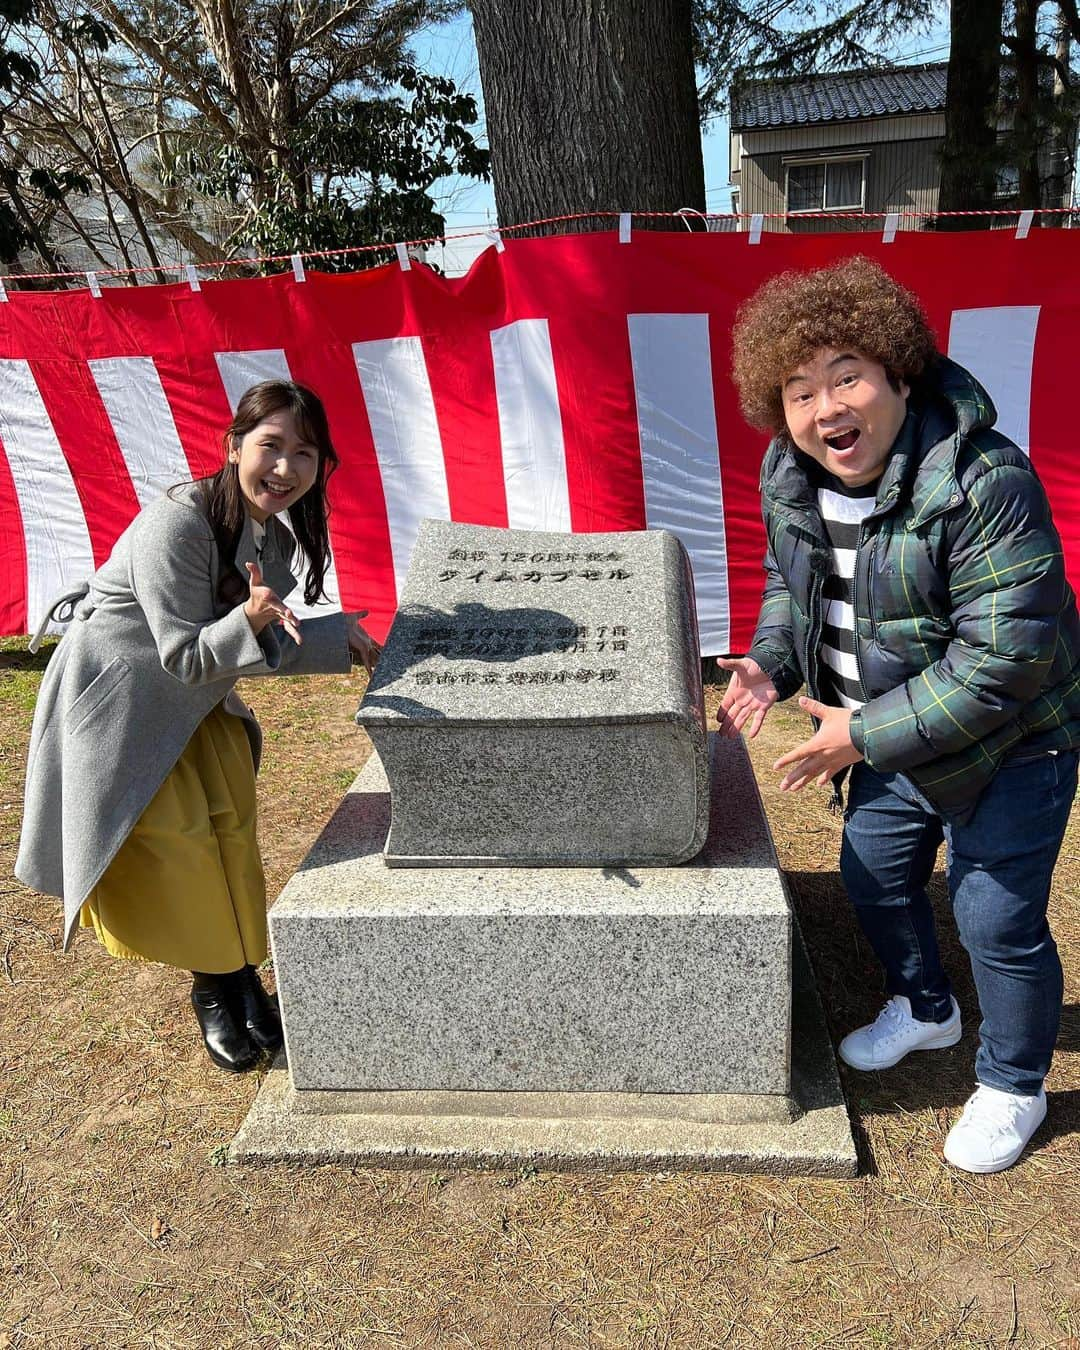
{"x":999,"y":867}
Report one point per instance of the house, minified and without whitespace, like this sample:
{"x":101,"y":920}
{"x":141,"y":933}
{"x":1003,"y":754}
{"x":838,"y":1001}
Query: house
{"x":858,"y":141}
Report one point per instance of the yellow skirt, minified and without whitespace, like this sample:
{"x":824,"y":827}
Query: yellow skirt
{"x":186,"y":887}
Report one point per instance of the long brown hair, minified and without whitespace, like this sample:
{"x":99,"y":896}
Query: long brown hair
{"x":224,"y":502}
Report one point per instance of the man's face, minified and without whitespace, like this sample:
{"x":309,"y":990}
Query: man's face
{"x":842,"y":411}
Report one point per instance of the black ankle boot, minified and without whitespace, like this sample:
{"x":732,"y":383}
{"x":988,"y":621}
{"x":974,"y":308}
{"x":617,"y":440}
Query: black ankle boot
{"x":256,"y":1010}
{"x":227,"y":1042}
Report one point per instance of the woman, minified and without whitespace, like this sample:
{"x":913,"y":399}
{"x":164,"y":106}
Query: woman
{"x":140,"y":784}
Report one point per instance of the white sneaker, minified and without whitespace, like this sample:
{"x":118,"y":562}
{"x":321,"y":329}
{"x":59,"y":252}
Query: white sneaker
{"x":894,"y":1034}
{"x":994,"y":1129}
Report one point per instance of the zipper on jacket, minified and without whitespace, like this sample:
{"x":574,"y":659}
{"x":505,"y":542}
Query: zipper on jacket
{"x":813,"y":634}
{"x":867,"y":571}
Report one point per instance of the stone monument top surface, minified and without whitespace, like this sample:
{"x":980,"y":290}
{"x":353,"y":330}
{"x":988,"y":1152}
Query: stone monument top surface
{"x":530,"y":626}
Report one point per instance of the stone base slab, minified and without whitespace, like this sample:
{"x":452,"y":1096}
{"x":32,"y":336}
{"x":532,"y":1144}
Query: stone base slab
{"x":807,"y":1133}
{"x":538,"y":979}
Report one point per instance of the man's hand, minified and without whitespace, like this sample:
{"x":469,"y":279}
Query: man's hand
{"x":363,"y":646}
{"x":263,"y":606}
{"x":749,"y":696}
{"x":826,"y":752}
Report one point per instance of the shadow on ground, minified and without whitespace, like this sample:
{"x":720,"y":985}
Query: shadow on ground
{"x":849,"y":983}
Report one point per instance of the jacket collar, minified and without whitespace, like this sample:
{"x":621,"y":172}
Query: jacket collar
{"x":958,"y":405}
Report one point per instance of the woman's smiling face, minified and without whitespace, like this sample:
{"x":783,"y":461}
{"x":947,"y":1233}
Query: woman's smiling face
{"x":842,"y":410}
{"x":275,"y":465}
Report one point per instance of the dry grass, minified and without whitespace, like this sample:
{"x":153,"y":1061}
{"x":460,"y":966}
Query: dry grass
{"x":119,"y":1227}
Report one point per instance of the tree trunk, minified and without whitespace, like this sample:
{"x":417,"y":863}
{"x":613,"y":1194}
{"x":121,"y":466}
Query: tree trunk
{"x":1059,"y":187}
{"x":591,"y":106}
{"x":968,"y":157}
{"x":1025,"y":127}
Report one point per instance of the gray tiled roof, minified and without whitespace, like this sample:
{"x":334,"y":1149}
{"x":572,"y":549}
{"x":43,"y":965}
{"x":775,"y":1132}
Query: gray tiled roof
{"x":758,"y":104}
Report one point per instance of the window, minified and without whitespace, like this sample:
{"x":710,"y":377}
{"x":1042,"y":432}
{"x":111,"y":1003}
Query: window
{"x":1007,"y":181}
{"x":826,"y":185}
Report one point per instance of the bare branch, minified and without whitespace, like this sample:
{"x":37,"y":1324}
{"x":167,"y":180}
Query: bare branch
{"x":183,"y":79}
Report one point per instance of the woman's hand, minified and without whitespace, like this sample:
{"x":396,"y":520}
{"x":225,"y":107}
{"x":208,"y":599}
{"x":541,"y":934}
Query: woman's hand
{"x":363,"y":646}
{"x":826,"y":752}
{"x":264,"y":607}
{"x":749,"y":696}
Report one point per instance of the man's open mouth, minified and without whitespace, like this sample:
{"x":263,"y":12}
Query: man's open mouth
{"x":842,"y":440}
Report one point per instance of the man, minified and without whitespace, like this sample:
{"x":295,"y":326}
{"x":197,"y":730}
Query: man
{"x":915,"y":583}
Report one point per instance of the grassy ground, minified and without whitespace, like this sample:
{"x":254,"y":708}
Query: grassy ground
{"x":120,"y":1227}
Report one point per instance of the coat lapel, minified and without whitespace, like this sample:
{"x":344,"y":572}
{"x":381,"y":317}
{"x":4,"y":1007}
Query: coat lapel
{"x":245,"y":548}
{"x":277,"y":554}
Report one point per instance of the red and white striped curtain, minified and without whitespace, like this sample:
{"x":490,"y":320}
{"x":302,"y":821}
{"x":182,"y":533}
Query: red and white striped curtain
{"x":572,"y":383}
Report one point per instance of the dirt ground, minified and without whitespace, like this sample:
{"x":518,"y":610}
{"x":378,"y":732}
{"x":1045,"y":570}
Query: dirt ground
{"x":120,"y":1226}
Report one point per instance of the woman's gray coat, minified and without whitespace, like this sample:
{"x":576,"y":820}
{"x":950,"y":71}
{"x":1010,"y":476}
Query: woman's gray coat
{"x":150,"y":652}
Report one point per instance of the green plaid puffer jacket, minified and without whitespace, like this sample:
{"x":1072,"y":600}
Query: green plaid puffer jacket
{"x":967,"y":634}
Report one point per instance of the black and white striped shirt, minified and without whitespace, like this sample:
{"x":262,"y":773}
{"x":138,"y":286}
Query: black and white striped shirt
{"x":843,"y":510}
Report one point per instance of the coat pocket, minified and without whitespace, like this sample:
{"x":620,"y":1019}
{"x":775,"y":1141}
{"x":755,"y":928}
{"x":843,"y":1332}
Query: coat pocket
{"x":95,"y":694}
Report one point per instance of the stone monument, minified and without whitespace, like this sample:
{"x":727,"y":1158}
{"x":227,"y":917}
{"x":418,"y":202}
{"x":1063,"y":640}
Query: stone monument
{"x":547,"y":941}
{"x":539,"y":702}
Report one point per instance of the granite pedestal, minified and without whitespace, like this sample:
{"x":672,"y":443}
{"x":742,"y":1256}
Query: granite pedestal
{"x":601,"y":1017}
{"x":807,"y":1134}
{"x":579,"y":953}
{"x":659,"y":979}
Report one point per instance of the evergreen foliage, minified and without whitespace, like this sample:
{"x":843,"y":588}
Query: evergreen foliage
{"x":765,"y":39}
